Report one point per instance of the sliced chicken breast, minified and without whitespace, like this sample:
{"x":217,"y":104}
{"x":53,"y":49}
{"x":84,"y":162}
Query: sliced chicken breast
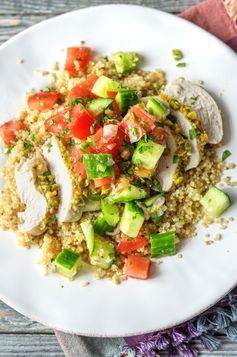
{"x":186,"y":127}
{"x":59,"y":164}
{"x":34,"y":217}
{"x":202,"y":103}
{"x":167,"y":165}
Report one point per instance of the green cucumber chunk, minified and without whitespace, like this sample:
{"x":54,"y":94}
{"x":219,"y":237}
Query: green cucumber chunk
{"x":126,"y":99}
{"x":98,"y":165}
{"x":151,"y":200}
{"x":129,"y":193}
{"x":103,"y":85}
{"x":125,"y":61}
{"x":156,"y":107}
{"x":147,"y":154}
{"x":132,"y":219}
{"x":110,"y":213}
{"x":97,"y":106}
{"x":162,"y":244}
{"x":101,"y":226}
{"x":88,"y":231}
{"x":215,"y":202}
{"x":103,"y":255}
{"x":68,"y":263}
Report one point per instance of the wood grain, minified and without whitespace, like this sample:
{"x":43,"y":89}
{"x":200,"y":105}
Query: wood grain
{"x":20,"y":336}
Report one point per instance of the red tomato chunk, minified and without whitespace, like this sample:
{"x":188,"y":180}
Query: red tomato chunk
{"x":128,"y":245}
{"x":137,"y":267}
{"x":77,"y":59}
{"x":83,"y":89}
{"x":43,"y":101}
{"x":8,"y":131}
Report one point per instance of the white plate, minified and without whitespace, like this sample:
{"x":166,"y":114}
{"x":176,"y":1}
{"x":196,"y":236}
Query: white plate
{"x":178,"y":288}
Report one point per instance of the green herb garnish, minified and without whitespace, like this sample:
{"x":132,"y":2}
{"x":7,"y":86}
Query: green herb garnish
{"x":51,"y":122}
{"x":177,"y":55}
{"x":72,"y":143}
{"x":92,"y":127}
{"x":48,"y":89}
{"x":158,"y":86}
{"x":225,"y":155}
{"x":31,"y":137}
{"x":181,"y":64}
{"x":49,"y":146}
{"x":175,"y":159}
{"x":68,"y":117}
{"x":194,"y":99}
{"x":76,"y":101}
{"x":192,"y":134}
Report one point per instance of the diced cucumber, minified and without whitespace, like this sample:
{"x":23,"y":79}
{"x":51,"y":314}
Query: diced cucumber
{"x":215,"y":202}
{"x":103,"y":85}
{"x":126,"y":99}
{"x":89,"y":234}
{"x":147,"y":154}
{"x":97,"y":106}
{"x":110,"y":212}
{"x":163,"y":244}
{"x":132,"y":219}
{"x":125,"y":61}
{"x":156,"y":107}
{"x":98,"y":165}
{"x":129,"y":193}
{"x":151,"y":200}
{"x":101,"y":226}
{"x":68,"y":263}
{"x":103,"y":255}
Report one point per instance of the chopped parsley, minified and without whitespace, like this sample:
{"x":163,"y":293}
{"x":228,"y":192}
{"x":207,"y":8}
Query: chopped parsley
{"x":194,"y":99}
{"x":94,"y":197}
{"x":27,"y":145}
{"x":156,"y":186}
{"x":92,"y":127}
{"x":46,"y":173}
{"x":76,"y":101}
{"x":48,"y":89}
{"x":64,"y":132}
{"x":192,"y":134}
{"x":133,"y":131}
{"x":225,"y":155}
{"x":177,"y":54}
{"x":72,"y":143}
{"x":84,"y":145}
{"x":158,"y":86}
{"x":51,"y":122}
{"x":68,"y":117}
{"x":145,"y":138}
{"x":181,"y":64}
{"x":49,"y":146}
{"x":31,"y":136}
{"x":175,"y":159}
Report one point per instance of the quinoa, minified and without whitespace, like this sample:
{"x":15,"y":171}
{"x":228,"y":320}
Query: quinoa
{"x":183,"y":209}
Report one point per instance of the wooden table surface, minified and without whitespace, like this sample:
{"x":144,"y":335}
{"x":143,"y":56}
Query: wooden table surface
{"x":20,"y":336}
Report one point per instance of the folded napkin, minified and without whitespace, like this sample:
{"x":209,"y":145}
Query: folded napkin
{"x":220,"y":18}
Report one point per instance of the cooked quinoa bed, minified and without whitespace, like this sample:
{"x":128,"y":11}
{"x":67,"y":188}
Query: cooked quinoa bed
{"x":183,"y":208}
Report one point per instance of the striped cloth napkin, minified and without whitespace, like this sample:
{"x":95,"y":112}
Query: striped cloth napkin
{"x":220,"y":18}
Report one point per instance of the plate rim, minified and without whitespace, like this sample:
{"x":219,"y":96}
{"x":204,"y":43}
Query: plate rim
{"x":52,"y":19}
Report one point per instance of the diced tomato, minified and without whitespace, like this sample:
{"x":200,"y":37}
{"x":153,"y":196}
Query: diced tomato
{"x":128,"y":245}
{"x":8,"y":131}
{"x":83,"y":89}
{"x":137,"y":266}
{"x":132,"y":128}
{"x":57,"y":124}
{"x":77,"y":58}
{"x":108,"y":146}
{"x":159,"y":135}
{"x":111,"y":95}
{"x":145,"y":119}
{"x":81,"y":122}
{"x":43,"y":100}
{"x":78,"y":165}
{"x":103,"y":181}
